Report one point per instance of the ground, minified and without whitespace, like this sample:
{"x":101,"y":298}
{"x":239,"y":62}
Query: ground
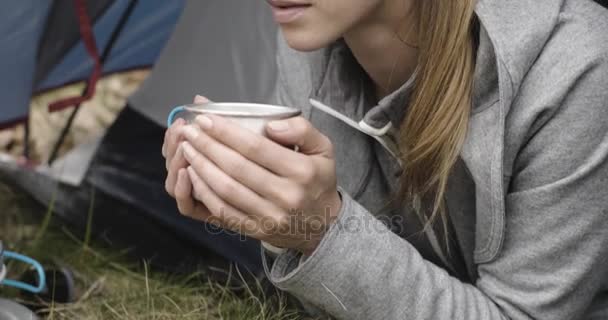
{"x":109,"y":285}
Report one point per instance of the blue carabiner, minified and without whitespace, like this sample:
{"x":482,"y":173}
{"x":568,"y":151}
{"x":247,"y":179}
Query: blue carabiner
{"x":22,"y":285}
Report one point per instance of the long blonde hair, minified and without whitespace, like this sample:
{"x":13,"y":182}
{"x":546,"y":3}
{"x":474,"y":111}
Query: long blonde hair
{"x":435,"y":127}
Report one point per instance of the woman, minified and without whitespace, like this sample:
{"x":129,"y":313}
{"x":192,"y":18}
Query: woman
{"x":476,"y":130}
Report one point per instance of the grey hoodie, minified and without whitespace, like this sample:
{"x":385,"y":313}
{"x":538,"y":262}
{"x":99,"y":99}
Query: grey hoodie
{"x":528,"y":202}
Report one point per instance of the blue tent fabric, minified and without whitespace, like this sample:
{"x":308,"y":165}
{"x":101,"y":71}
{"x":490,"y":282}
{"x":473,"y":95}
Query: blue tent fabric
{"x":21,"y":27}
{"x":140,"y":43}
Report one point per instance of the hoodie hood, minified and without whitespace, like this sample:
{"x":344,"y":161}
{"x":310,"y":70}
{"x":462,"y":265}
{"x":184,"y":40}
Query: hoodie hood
{"x":518,"y":30}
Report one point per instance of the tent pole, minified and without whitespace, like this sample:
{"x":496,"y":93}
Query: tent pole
{"x":26,"y":138}
{"x":105,"y":54}
{"x":63,"y":134}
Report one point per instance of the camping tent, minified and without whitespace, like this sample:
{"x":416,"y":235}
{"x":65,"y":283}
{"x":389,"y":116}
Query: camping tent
{"x":43,"y":46}
{"x":223,"y":48}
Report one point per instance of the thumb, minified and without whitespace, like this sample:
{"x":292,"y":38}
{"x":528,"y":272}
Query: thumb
{"x":301,"y":133}
{"x":200,"y":99}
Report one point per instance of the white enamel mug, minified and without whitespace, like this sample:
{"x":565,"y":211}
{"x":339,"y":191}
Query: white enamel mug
{"x":252,"y":116}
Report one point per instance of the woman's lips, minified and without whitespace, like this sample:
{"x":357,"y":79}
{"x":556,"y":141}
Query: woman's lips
{"x":286,"y":11}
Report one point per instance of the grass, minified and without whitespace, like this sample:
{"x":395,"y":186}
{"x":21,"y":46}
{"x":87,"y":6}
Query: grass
{"x":110,"y":286}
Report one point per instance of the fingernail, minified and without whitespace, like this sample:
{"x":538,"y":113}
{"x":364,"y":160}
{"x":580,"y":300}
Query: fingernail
{"x":205,"y":122}
{"x":191,"y":132}
{"x":189,"y":151}
{"x":278,"y":125}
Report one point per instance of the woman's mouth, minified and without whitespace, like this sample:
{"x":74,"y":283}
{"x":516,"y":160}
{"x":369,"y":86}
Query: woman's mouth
{"x":285,"y":11}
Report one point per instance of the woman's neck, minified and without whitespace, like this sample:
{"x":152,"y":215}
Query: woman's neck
{"x":385,"y":45}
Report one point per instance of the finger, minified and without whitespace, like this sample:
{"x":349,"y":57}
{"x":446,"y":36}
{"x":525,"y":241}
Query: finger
{"x":300,"y":132}
{"x":248,"y":173}
{"x":231,"y":191}
{"x":200,"y":99}
{"x":183,"y":193}
{"x":185,"y":202}
{"x":173,"y":135}
{"x":164,"y":147}
{"x":252,"y":146}
{"x":178,"y":162}
{"x":221,"y":213}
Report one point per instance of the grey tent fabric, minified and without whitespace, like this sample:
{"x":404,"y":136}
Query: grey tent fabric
{"x":224,"y":49}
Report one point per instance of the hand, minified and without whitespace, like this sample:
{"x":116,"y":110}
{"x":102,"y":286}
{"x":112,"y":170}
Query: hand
{"x":178,"y":183}
{"x":253,"y":185}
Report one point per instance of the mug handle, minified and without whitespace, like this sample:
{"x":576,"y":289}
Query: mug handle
{"x":172,"y":115}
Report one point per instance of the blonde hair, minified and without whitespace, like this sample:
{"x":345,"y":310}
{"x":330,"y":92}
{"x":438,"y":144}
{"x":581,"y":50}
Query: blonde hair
{"x":435,"y":127}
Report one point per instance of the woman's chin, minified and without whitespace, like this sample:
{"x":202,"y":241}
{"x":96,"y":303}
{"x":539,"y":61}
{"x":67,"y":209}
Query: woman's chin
{"x":305,"y":40}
